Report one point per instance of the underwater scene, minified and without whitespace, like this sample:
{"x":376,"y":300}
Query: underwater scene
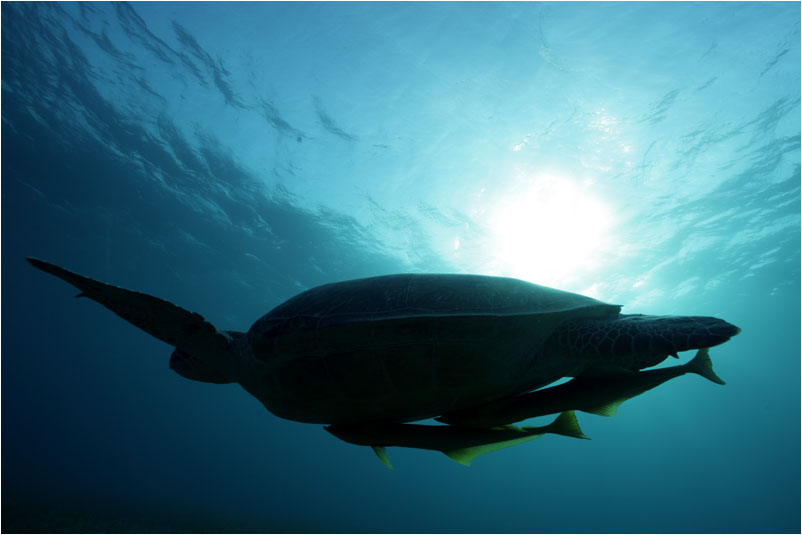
{"x":226,"y":157}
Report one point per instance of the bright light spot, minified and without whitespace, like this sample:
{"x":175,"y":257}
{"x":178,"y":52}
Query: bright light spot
{"x":522,"y":144}
{"x":456,"y":243}
{"x":550,"y":231}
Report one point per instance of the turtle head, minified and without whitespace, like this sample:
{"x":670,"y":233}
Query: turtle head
{"x":209,"y":365}
{"x":215,"y":370}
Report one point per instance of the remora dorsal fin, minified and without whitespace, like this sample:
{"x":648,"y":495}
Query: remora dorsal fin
{"x":608,"y":409}
{"x":465,"y":456}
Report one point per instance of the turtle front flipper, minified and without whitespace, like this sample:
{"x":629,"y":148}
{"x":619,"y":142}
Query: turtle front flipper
{"x":462,"y":444}
{"x":193,"y":336}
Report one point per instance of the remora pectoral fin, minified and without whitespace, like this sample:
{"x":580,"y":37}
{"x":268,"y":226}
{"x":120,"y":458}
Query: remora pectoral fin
{"x":161,"y":319}
{"x":381,"y":453}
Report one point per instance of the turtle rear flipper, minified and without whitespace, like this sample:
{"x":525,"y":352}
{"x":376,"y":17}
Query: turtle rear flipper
{"x":188,"y":331}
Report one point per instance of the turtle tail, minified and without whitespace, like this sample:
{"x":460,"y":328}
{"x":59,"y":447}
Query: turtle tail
{"x":637,"y":341}
{"x":189,"y":332}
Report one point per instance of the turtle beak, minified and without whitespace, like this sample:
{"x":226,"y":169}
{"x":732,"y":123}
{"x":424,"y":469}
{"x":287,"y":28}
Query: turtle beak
{"x":177,"y":358}
{"x":181,"y":363}
{"x":196,"y":369}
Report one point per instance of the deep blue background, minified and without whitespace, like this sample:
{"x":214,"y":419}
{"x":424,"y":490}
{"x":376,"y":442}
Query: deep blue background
{"x":227,"y":156}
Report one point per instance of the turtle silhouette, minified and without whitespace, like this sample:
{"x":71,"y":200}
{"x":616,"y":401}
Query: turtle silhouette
{"x":366,"y":356}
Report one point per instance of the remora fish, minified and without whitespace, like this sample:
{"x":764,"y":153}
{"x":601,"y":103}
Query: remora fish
{"x":597,"y":392}
{"x":463,"y":444}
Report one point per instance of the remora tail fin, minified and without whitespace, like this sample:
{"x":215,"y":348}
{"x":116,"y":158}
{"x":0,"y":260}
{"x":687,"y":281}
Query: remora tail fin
{"x":565,"y":424}
{"x":702,"y":365}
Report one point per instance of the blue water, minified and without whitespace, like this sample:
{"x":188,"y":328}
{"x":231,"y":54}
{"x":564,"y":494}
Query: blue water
{"x":228,"y":156}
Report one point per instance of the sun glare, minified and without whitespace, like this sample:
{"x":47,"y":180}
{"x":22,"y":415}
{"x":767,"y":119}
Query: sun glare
{"x":551,"y":232}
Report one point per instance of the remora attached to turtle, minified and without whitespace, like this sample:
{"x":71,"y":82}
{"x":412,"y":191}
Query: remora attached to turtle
{"x":400,"y":348}
{"x":597,"y":391}
{"x":463,"y":444}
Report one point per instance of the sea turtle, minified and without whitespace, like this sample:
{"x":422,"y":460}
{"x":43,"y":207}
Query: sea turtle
{"x":399,"y":348}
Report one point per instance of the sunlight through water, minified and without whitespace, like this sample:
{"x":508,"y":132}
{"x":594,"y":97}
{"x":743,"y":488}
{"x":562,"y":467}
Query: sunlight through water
{"x":550,"y":231}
